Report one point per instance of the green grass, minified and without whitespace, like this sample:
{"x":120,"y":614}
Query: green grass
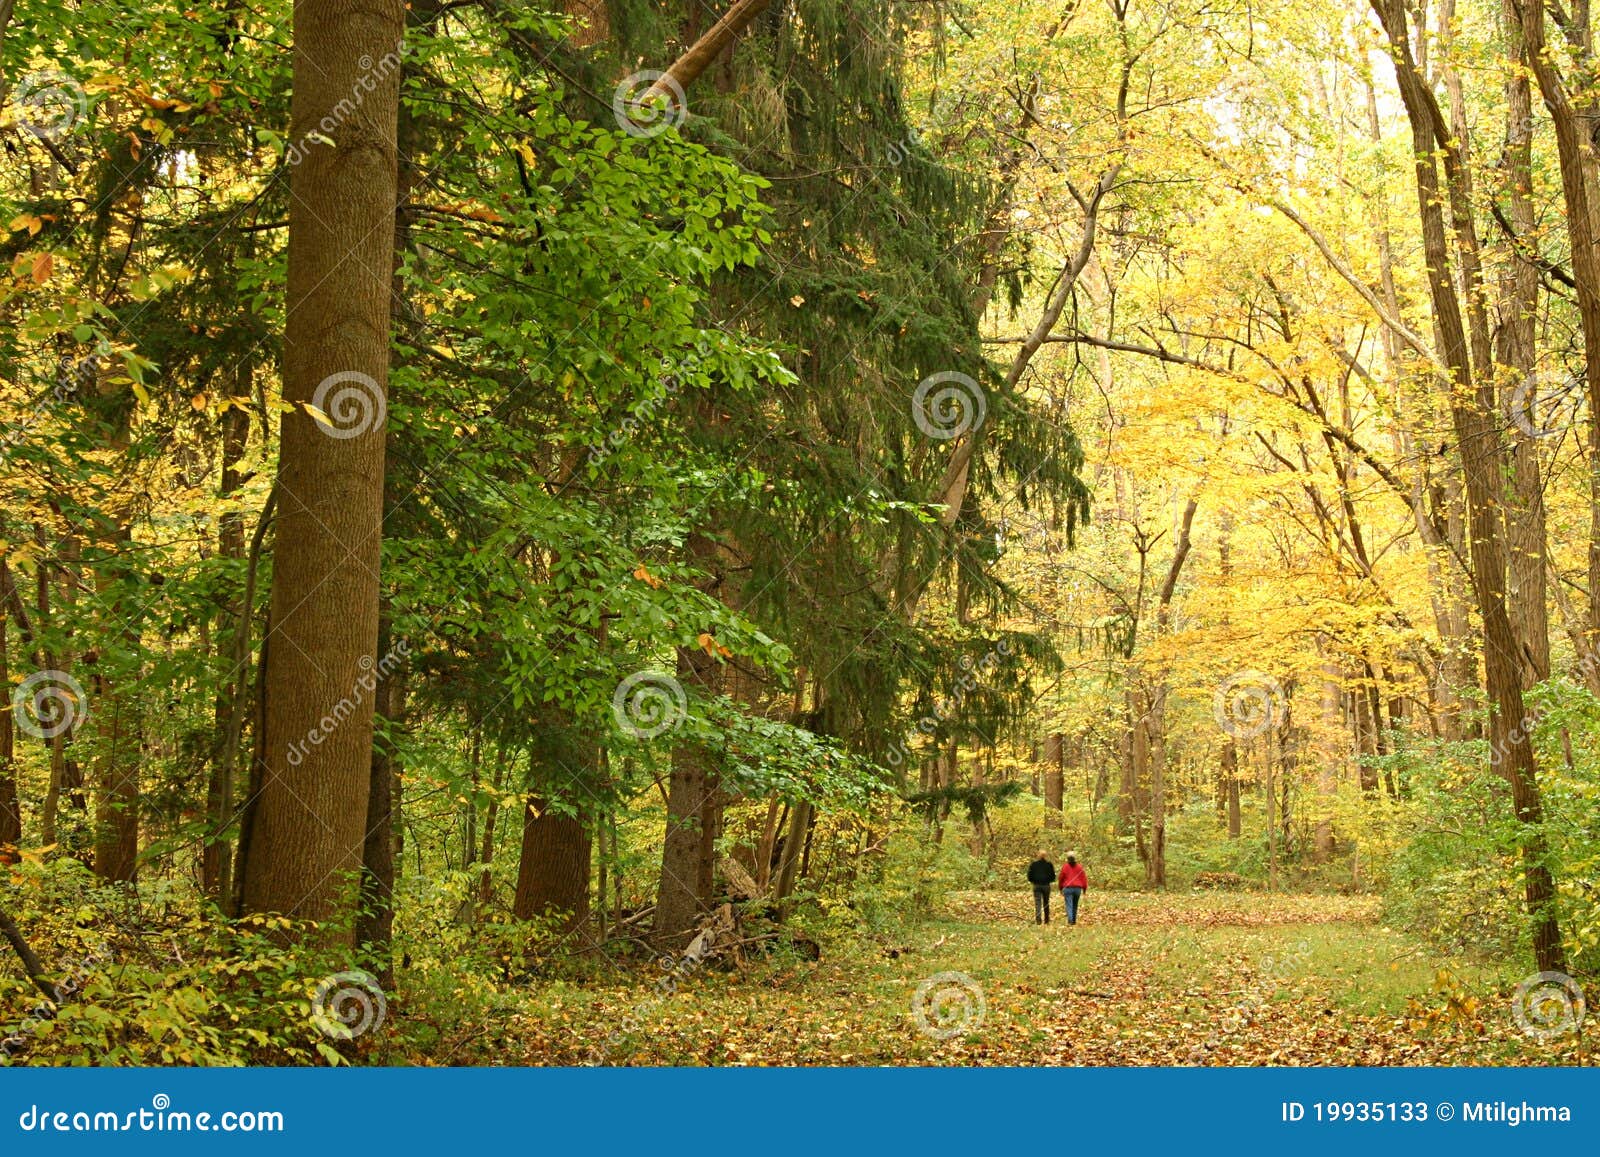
{"x":1143,"y":978}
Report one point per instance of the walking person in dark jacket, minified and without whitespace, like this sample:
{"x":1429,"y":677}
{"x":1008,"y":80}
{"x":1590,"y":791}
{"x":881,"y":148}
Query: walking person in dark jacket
{"x":1041,"y":874}
{"x":1074,"y":883}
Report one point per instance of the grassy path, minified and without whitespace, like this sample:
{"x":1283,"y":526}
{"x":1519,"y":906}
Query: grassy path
{"x":1142,"y":979}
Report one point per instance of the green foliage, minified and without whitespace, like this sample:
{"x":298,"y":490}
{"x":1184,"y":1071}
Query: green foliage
{"x":912,"y":880}
{"x":168,"y":985}
{"x":1456,"y":873}
{"x":975,"y":802}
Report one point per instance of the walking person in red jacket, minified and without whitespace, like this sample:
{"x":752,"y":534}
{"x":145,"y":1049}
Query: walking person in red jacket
{"x":1074,"y":883}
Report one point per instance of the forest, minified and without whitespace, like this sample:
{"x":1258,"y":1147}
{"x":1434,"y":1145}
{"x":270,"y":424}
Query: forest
{"x":612,"y":532}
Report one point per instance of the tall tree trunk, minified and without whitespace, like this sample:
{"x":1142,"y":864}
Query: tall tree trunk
{"x":769,"y":837}
{"x":789,"y":864}
{"x":486,"y":851}
{"x":1573,"y":114}
{"x":1129,"y":763}
{"x":10,"y":806}
{"x":374,"y":925}
{"x":1230,"y":771}
{"x":1155,"y":716}
{"x":1473,"y":411}
{"x":1333,"y":720}
{"x":66,"y":781}
{"x":1268,"y":786}
{"x":1155,"y":864}
{"x":1526,"y":562}
{"x":1054,"y":761}
{"x":380,"y":845}
{"x":216,"y":858}
{"x":117,"y":723}
{"x":553,"y":874}
{"x":1369,"y":729}
{"x":694,"y":803}
{"x":683,"y":894}
{"x":309,"y":820}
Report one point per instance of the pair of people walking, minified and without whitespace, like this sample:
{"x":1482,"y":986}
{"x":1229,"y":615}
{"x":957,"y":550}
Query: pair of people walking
{"x":1072,"y":880}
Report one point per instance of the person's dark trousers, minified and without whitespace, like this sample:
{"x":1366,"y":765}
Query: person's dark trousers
{"x":1041,"y":903}
{"x":1070,"y":897}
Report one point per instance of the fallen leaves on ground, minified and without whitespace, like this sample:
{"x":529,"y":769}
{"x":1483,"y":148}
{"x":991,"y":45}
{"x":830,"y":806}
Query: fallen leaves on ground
{"x":1199,"y":909}
{"x":1143,"y":979}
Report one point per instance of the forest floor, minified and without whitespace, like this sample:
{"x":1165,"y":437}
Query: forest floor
{"x":1169,"y":979}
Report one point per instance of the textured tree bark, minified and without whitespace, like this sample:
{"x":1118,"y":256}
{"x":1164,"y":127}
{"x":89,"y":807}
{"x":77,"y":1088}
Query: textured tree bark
{"x":1369,"y":729}
{"x":1129,"y":762}
{"x":698,"y":57}
{"x":1444,"y":585}
{"x":1268,"y":787}
{"x":469,"y":813}
{"x":591,"y":21}
{"x":1573,"y":114}
{"x":116,"y":720}
{"x":1156,"y":718}
{"x":1230,"y":771}
{"x":769,"y":837}
{"x":380,"y":848}
{"x":553,"y":874}
{"x":1228,"y":766}
{"x":216,"y":858}
{"x":1436,"y":510}
{"x":66,"y":780}
{"x":1334,"y":724}
{"x":683,"y":893}
{"x":1155,"y":863}
{"x":789,"y":864}
{"x":1054,"y":759}
{"x":308,"y":822}
{"x":1472,"y":406}
{"x":374,"y":925}
{"x":486,"y":851}
{"x":1527,"y":595}
{"x":116,"y":844}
